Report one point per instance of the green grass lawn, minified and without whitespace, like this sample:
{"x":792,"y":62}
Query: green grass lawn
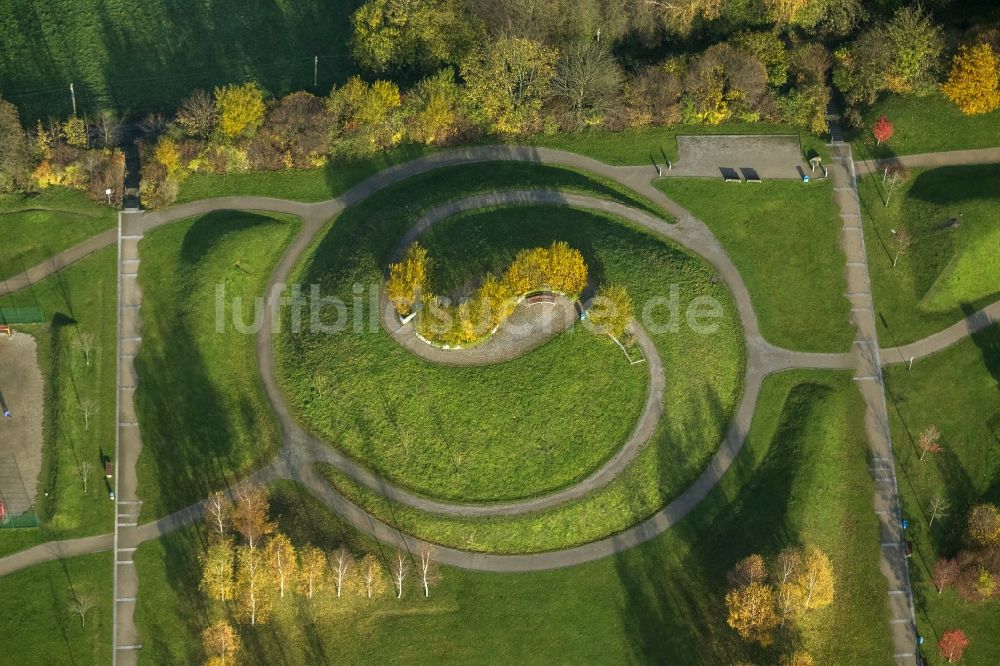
{"x":924,"y":125}
{"x":356,"y":250}
{"x":641,"y":146}
{"x":38,"y":626}
{"x":204,"y":418}
{"x":943,"y":274}
{"x":783,"y":237}
{"x":141,"y":61}
{"x":958,"y":390}
{"x":802,"y":479}
{"x":79,"y":300}
{"x":36,"y":226}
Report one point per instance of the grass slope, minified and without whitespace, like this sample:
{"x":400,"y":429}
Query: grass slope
{"x":80,"y":299}
{"x":958,"y":390}
{"x":205,"y":421}
{"x":36,"y":226}
{"x":355,"y":251}
{"x":801,"y":479}
{"x":322,"y":184}
{"x":35,"y":616}
{"x":944,"y":274}
{"x":783,"y":237}
{"x":925,"y":125}
{"x":140,"y":61}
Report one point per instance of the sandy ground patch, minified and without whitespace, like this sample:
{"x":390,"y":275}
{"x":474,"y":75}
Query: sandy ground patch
{"x":21,"y":391}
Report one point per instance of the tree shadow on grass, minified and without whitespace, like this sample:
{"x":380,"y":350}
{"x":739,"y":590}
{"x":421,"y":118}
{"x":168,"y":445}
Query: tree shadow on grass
{"x":191,"y":430}
{"x":675,"y":585}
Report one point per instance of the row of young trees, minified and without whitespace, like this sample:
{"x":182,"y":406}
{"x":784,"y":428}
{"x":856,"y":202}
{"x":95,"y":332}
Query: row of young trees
{"x":250,"y":566}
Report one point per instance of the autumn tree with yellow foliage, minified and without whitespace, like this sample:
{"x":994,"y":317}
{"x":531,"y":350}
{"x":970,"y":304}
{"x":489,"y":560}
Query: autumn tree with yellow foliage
{"x":760,"y":601}
{"x":253,"y":591}
{"x":407,"y":279}
{"x":753,"y":612}
{"x":221,"y":643}
{"x":974,"y":81}
{"x":611,"y":311}
{"x":217,"y":570}
{"x":240,"y":110}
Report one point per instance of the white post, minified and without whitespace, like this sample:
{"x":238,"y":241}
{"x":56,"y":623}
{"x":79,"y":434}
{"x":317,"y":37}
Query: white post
{"x":72,"y":94}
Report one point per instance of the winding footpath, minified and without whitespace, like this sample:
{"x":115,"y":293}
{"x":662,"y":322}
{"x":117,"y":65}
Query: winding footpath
{"x":297,"y":458}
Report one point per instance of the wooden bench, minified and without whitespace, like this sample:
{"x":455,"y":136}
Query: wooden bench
{"x":542,"y":297}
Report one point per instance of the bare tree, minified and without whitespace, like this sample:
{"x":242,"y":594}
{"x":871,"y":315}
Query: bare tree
{"x":84,"y":470}
{"x":153,"y":125}
{"x":400,"y":568}
{"x":107,"y":127}
{"x":80,"y":605}
{"x":939,"y":508}
{"x":587,"y":84}
{"x":88,"y":408}
{"x":196,"y":115}
{"x":85,"y":343}
{"x":929,"y":441}
{"x":428,"y":567}
{"x":342,"y":563}
{"x":219,"y":513}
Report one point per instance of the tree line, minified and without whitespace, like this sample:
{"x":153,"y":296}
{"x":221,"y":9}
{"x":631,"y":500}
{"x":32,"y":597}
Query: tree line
{"x":442,"y":72}
{"x":249,"y":568}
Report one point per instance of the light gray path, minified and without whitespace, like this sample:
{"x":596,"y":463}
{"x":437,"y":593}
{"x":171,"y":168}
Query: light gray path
{"x":947,"y":158}
{"x":57,"y":262}
{"x":128,"y":443}
{"x":868,"y":377}
{"x":972,"y":324}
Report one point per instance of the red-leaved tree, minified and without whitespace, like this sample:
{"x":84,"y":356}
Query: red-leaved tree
{"x":945,"y":574}
{"x":952,"y":645}
{"x":882,"y":129}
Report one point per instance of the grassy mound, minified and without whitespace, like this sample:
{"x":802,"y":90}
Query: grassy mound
{"x":783,"y":237}
{"x":943,"y":273}
{"x":204,"y":418}
{"x":802,"y":479}
{"x":924,"y":125}
{"x":36,"y":226}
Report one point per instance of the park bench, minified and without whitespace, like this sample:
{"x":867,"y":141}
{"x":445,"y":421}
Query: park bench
{"x":541,"y":297}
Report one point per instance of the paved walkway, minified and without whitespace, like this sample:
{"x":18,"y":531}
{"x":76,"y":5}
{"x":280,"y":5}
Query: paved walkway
{"x":974,"y":323}
{"x":947,"y":158}
{"x":868,"y":376}
{"x":128,"y":444}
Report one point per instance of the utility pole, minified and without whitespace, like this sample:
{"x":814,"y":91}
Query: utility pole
{"x":315,"y":71}
{"x":72,"y":94}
